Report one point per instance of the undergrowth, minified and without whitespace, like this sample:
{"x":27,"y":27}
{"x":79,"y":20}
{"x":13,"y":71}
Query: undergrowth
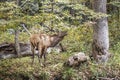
{"x":21,"y":69}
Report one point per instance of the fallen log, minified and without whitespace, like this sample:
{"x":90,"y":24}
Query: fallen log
{"x":23,"y":54}
{"x":7,"y":50}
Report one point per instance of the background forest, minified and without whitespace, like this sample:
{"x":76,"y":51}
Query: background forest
{"x":48,"y":16}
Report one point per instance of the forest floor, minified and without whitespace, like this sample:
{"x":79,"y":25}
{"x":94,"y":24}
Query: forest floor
{"x":21,"y":69}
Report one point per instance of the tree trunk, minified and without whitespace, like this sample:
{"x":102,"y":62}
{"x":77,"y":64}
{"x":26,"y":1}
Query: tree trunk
{"x":18,"y":2}
{"x":100,"y":44}
{"x":52,"y":9}
{"x":17,"y":46}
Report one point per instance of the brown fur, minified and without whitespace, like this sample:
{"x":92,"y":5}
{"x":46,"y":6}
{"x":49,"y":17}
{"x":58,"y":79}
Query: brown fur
{"x":42,"y":41}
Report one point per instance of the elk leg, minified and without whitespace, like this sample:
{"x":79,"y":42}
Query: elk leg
{"x":33,"y":52}
{"x":39,"y":57}
{"x":44,"y":60}
{"x":39,"y":54}
{"x":45,"y":56}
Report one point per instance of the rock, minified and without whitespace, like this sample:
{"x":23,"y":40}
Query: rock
{"x":54,"y":49}
{"x":76,"y":59}
{"x":57,"y":49}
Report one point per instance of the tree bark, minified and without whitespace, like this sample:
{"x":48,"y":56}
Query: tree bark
{"x":17,"y":46}
{"x":100,"y":44}
{"x":18,"y":2}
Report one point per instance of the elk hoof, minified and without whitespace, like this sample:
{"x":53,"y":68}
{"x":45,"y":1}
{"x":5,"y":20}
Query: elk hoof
{"x":44,"y":65}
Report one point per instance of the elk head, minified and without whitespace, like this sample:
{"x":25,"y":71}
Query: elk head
{"x":56,"y":38}
{"x":62,"y":34}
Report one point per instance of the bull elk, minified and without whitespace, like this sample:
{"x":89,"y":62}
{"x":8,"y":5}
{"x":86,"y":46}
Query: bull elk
{"x":43,"y":41}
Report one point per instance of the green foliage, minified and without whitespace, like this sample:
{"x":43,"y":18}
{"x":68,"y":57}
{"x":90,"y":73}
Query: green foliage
{"x":114,"y":33}
{"x":33,"y":12}
{"x":78,"y":39}
{"x":116,"y":47}
{"x":30,"y":7}
{"x":97,"y":71}
{"x":9,"y":15}
{"x":6,"y":37}
{"x":68,"y":74}
{"x":44,"y":76}
{"x":115,"y":3}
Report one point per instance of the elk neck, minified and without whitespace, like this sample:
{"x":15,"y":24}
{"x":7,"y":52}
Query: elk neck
{"x":55,"y":40}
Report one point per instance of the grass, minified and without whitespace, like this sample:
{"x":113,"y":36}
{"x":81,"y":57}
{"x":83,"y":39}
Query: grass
{"x":21,"y":69}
